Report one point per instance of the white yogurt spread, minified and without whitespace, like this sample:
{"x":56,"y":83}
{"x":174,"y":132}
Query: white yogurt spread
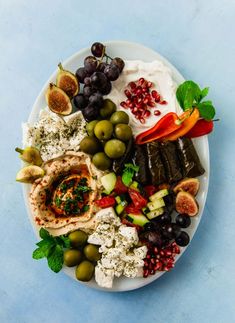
{"x":161,"y":77}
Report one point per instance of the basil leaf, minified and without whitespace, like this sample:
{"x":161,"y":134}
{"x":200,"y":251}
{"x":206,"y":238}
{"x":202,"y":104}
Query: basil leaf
{"x":187,"y":94}
{"x":207,"y":110}
{"x":55,"y":259}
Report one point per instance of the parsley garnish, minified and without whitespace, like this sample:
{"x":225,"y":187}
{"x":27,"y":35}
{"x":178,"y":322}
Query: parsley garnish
{"x":85,"y":208}
{"x":51,"y":248}
{"x":128,"y":173}
{"x":189,"y":95}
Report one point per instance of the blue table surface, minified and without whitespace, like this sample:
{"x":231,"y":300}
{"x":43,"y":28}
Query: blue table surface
{"x":198,"y":38}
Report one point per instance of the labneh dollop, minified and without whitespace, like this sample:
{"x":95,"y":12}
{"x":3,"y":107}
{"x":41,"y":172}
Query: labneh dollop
{"x":162,"y":79}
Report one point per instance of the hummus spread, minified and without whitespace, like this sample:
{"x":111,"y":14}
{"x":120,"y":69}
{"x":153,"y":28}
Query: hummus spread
{"x":63,"y":199}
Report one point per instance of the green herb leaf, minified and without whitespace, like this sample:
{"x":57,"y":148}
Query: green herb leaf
{"x":39,"y":253}
{"x":187,"y":94}
{"x":55,"y":259}
{"x":63,"y":241}
{"x":128,"y":173}
{"x":85,"y":208}
{"x":204,"y":93}
{"x":43,"y":233}
{"x":207,"y":110}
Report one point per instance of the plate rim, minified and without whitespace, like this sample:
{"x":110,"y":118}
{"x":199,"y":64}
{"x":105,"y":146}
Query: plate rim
{"x":34,"y":108}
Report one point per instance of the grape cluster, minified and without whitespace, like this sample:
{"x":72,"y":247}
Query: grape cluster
{"x":98,"y":72}
{"x":162,"y":231}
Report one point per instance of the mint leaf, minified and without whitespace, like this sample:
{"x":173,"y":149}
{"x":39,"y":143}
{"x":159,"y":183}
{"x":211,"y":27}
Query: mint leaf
{"x":204,"y":93}
{"x":63,"y":241}
{"x":39,"y":253}
{"x":128,"y":173}
{"x":55,"y":259}
{"x":43,"y":233}
{"x":207,"y":110}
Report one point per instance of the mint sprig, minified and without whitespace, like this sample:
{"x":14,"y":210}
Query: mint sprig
{"x":51,"y":248}
{"x":189,"y":95}
{"x":128,"y":173}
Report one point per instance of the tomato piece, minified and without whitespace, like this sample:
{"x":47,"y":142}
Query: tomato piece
{"x":129,"y":224}
{"x":120,"y":188}
{"x":138,"y":200}
{"x":150,"y":190}
{"x":131,"y":209}
{"x":106,"y":201}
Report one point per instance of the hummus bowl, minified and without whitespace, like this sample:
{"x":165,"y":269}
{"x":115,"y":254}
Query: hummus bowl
{"x":128,"y":51}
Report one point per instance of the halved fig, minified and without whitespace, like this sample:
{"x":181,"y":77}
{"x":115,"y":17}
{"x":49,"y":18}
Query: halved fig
{"x":57,"y":100}
{"x":29,"y":174}
{"x":30,"y":155}
{"x":186,"y":204}
{"x":190,"y":185}
{"x":67,"y":82}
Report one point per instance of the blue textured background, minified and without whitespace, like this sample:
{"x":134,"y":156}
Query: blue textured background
{"x":198,"y":38}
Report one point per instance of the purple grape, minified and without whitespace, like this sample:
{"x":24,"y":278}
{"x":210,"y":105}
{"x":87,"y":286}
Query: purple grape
{"x":97,"y":49}
{"x":176,"y":230}
{"x":183,"y":239}
{"x":183,"y":220}
{"x":154,"y":238}
{"x":81,"y":74}
{"x":168,"y":231}
{"x":119,"y":63}
{"x":101,"y":66}
{"x":96,"y":100}
{"x":106,"y":89}
{"x":80,"y":101}
{"x":90,"y":113}
{"x":112,"y":72}
{"x":165,"y":218}
{"x":87,"y":80}
{"x":88,"y":91}
{"x":90,"y":64}
{"x":98,"y":80}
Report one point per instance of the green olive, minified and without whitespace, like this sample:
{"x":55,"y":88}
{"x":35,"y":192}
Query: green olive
{"x":90,"y":145}
{"x":114,"y":148}
{"x":101,"y":161}
{"x":78,"y":238}
{"x":90,"y":126}
{"x":72,"y":257}
{"x":84,"y":271}
{"x":119,"y":117}
{"x":108,"y":108}
{"x":91,"y":252}
{"x":103,"y":130}
{"x":123,"y":131}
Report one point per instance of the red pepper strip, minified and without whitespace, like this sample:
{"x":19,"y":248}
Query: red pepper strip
{"x":106,"y":201}
{"x":162,"y":128}
{"x":201,"y":128}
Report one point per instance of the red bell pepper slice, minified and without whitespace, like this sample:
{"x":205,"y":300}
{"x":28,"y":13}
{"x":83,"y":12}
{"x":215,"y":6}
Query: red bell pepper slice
{"x":162,"y":128}
{"x":201,"y":128}
{"x":106,"y":201}
{"x":138,"y":200}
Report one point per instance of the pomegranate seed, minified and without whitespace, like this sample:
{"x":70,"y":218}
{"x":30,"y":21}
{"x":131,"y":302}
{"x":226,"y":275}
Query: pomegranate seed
{"x":157,"y":113}
{"x":128,"y":102}
{"x":145,"y":101}
{"x":127,"y":93}
{"x":154,"y":94}
{"x":123,"y":104}
{"x":151,"y":104}
{"x":153,"y":261}
{"x":142,"y":120}
{"x":152,"y":272}
{"x":162,"y":253}
{"x":138,"y":92}
{"x":148,"y":96}
{"x":149,"y":84}
{"x":132,"y":85}
{"x":168,"y":253}
{"x":145,"y":90}
{"x":146,"y":263}
{"x":146,"y":273}
{"x":147,"y":113}
{"x":163,"y":102}
{"x":141,"y":81}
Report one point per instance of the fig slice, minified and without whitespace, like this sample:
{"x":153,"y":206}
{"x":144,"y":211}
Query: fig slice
{"x":190,"y":185}
{"x":58,"y":101}
{"x":186,"y":204}
{"x":67,"y":82}
{"x":29,"y":174}
{"x":30,"y":155}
